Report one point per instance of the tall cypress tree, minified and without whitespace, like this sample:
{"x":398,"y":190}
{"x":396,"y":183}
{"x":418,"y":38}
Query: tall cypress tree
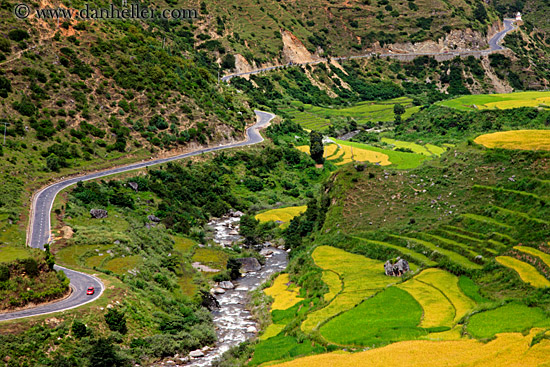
{"x":316,"y":148}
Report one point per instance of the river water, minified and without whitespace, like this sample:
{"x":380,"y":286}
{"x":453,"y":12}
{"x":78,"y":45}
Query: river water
{"x":234,"y":323}
{"x":232,"y":319}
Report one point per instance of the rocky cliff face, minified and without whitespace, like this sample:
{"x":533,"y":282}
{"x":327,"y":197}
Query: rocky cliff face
{"x":456,"y":40}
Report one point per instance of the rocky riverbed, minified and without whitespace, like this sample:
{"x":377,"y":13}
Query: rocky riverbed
{"x":234,"y":323}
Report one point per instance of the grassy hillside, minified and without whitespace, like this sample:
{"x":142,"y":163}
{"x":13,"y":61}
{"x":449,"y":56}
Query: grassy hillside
{"x":88,"y":95}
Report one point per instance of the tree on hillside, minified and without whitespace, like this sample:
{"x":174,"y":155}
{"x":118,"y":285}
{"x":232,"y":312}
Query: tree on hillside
{"x":316,"y":148}
{"x":398,"y":110}
{"x":248,"y":228}
{"x":480,"y":13}
{"x":228,"y":62}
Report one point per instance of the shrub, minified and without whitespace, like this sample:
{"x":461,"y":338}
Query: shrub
{"x":4,"y":273}
{"x":79,"y":329}
{"x":102,"y":353}
{"x":5,"y":87}
{"x":5,"y":45}
{"x":116,"y":321}
{"x":25,"y":107}
{"x":31,"y":266}
{"x":228,"y":62}
{"x":18,"y":35}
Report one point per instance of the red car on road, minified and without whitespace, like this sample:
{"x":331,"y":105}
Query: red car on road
{"x":90,"y":290}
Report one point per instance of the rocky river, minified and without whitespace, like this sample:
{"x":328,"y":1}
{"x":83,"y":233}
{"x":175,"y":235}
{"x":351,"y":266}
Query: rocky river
{"x":234,"y":323}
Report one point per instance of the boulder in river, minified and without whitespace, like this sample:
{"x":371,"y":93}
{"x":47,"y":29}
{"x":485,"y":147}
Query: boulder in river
{"x":209,"y":301}
{"x":98,"y":213}
{"x":226,"y":284}
{"x":196,"y":353}
{"x":218,"y":290}
{"x":249,"y":264}
{"x":266,"y":252}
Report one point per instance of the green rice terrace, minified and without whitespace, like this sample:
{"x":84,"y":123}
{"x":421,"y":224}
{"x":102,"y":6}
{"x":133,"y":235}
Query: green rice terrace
{"x":320,"y":118}
{"x":475,"y":235}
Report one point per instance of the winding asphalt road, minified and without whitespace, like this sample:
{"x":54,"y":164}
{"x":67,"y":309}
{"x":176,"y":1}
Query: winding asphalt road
{"x":39,"y":229}
{"x":494,"y":45}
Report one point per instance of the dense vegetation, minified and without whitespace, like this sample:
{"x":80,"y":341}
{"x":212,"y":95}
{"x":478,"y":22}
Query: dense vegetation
{"x":472,"y":222}
{"x":30,"y":280}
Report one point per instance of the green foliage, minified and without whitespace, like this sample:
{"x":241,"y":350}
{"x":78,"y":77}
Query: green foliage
{"x":4,"y":273}
{"x":116,"y":320}
{"x":18,"y":35}
{"x":316,"y":146}
{"x":228,"y":62}
{"x":5,"y":45}
{"x":398,"y":109}
{"x":30,"y":266}
{"x":79,"y":329}
{"x":248,"y":228}
{"x":233,"y":268}
{"x":25,"y":106}
{"x":480,"y":13}
{"x":5,"y":87}
{"x":50,"y":259}
{"x":102,"y":353}
{"x":52,"y":163}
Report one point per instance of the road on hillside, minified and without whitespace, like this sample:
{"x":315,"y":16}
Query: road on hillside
{"x":494,"y":45}
{"x":38,"y":232}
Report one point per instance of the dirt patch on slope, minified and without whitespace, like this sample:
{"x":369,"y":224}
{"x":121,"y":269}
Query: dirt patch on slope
{"x":294,"y":50}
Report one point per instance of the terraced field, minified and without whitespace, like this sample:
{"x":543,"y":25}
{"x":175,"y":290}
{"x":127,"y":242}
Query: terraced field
{"x":344,"y":152}
{"x":512,"y":317}
{"x":517,"y":139}
{"x":474,"y":239}
{"x":427,"y":150}
{"x":318,"y":118}
{"x":529,"y":274}
{"x":284,"y":293}
{"x":533,"y":251}
{"x":424,"y":306}
{"x":361,"y":278}
{"x":399,"y":160}
{"x":500,"y":101}
{"x":428,"y":304}
{"x":283,"y":215}
{"x":512,"y":349}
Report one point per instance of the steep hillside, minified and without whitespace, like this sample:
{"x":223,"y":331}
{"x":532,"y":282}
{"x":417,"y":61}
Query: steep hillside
{"x":256,"y":29}
{"x":91,"y":94}
{"x":534,"y":12}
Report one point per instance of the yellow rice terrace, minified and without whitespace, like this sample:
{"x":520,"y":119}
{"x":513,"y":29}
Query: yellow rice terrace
{"x":518,"y":139}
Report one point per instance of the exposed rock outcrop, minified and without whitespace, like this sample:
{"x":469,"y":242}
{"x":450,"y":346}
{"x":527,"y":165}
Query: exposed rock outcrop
{"x":153,"y":218}
{"x":98,"y":213}
{"x":294,"y":50}
{"x":456,"y":40}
